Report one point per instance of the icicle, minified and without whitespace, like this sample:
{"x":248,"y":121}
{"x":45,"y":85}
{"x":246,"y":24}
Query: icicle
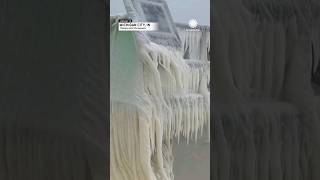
{"x":171,"y":104}
{"x":128,"y":138}
{"x":195,"y":44}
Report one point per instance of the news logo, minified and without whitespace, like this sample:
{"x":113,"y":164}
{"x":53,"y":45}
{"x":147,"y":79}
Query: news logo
{"x":125,"y":20}
{"x":193,"y":25}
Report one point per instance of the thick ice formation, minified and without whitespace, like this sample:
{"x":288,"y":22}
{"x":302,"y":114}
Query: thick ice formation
{"x":195,"y":44}
{"x":170,"y":99}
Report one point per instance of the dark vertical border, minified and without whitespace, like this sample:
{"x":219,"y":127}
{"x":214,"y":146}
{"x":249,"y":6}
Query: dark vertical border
{"x":211,"y":84}
{"x":107,"y":5}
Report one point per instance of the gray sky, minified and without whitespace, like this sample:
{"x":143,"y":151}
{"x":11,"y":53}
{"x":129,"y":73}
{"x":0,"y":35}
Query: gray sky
{"x":181,"y":10}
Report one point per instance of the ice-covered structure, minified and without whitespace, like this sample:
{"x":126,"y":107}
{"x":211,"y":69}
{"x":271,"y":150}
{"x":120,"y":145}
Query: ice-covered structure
{"x":156,"y":96}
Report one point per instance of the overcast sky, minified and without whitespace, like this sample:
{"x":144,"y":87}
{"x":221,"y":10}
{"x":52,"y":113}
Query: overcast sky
{"x":181,"y":10}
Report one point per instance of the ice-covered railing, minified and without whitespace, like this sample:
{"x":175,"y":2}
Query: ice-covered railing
{"x":196,"y":52}
{"x":182,"y":88}
{"x":164,"y":106}
{"x":195,"y":44}
{"x":199,"y":72}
